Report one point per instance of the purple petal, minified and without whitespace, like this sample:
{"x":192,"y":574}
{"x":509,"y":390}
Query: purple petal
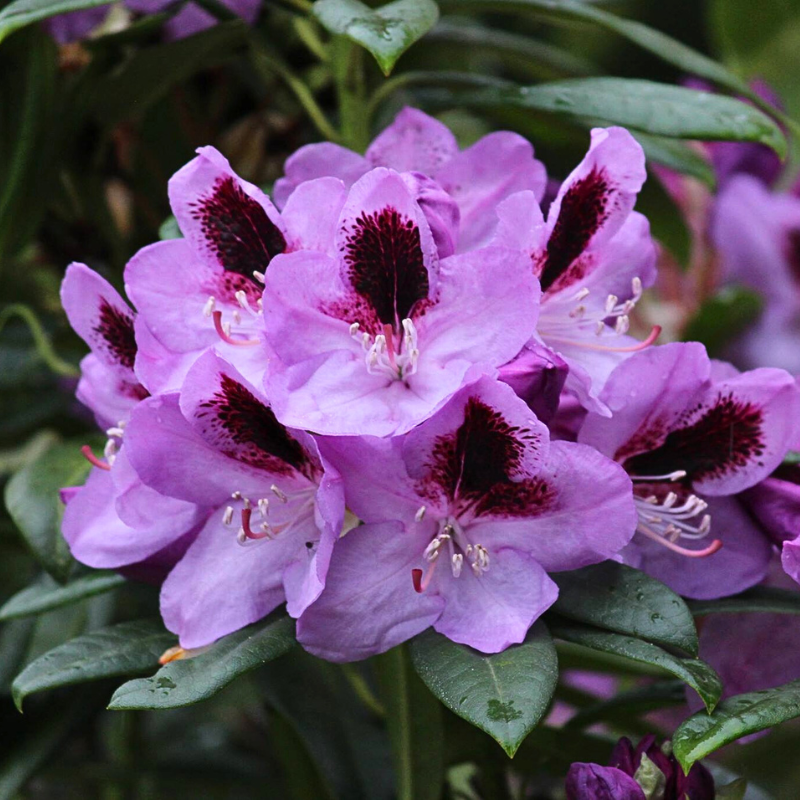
{"x":494,"y":168}
{"x":312,"y":213}
{"x":593,"y":782}
{"x":414,"y":142}
{"x":494,"y":610}
{"x":592,"y":205}
{"x":742,"y":561}
{"x":537,"y":375}
{"x":318,"y":161}
{"x":369,"y":604}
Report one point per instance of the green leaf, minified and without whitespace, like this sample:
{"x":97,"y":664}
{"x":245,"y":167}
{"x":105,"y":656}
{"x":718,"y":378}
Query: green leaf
{"x":659,"y":44}
{"x":125,"y":649}
{"x":32,"y":500}
{"x":759,"y":599}
{"x":414,"y":719}
{"x":505,"y":694}
{"x":181,"y":683}
{"x":693,"y":672}
{"x":738,"y":716}
{"x":387,"y":32}
{"x":625,"y":600}
{"x":169,"y":229}
{"x":20,"y":13}
{"x":45,"y":594}
{"x":723,"y":316}
{"x":677,"y":156}
{"x":655,"y":108}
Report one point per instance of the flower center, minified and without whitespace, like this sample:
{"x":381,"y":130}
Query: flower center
{"x":224,"y":328}
{"x":452,"y":541}
{"x":558,"y":326}
{"x":260,"y":519}
{"x":671,"y":518}
{"x":388,"y":354}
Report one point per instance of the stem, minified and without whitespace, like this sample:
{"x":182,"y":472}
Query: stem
{"x":43,"y":347}
{"x":348,"y":73}
{"x":363,"y":691}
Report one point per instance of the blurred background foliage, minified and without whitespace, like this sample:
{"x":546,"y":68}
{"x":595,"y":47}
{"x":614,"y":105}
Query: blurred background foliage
{"x":89,"y":135}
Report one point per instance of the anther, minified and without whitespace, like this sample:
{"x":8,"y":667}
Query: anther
{"x":457,"y":564}
{"x":418,"y":517}
{"x":278,"y":493}
{"x":227,"y":516}
{"x":611,"y":301}
{"x":263,"y":507}
{"x":580,"y":295}
{"x":259,"y":276}
{"x":93,"y":459}
{"x":208,"y":308}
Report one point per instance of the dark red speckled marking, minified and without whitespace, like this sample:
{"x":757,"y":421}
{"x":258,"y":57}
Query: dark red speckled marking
{"x":583,"y":210}
{"x":726,"y":438}
{"x":473,"y":466}
{"x":239,"y":233}
{"x":247,"y":430}
{"x":115,"y":328}
{"x":383,"y":254}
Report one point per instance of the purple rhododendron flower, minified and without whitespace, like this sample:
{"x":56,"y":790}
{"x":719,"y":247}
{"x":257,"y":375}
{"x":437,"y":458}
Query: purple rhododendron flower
{"x":593,"y":256}
{"x":219,"y":444}
{"x":205,"y":290}
{"x":692,"y":433}
{"x":634,"y":770}
{"x":374,"y":339}
{"x":108,"y":385}
{"x":190,"y":19}
{"x":475,"y":180}
{"x":464,"y":516}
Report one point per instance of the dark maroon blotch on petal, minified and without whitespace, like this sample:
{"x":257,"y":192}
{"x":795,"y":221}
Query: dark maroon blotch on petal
{"x":474,"y":466}
{"x":727,"y":437}
{"x":115,"y":328}
{"x":584,"y":208}
{"x":383,"y":253}
{"x":239,"y":232}
{"x":237,"y":417}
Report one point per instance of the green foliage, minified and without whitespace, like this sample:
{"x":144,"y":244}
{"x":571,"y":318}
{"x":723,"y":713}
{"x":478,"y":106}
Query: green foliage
{"x":32,"y":499}
{"x":695,"y":673}
{"x":735,"y":717}
{"x":505,"y":694}
{"x":191,"y":680}
{"x":624,"y":600}
{"x":387,"y":32}
{"x":20,"y":13}
{"x":128,"y":648}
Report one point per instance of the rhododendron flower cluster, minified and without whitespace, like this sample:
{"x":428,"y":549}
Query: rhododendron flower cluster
{"x":401,"y":396}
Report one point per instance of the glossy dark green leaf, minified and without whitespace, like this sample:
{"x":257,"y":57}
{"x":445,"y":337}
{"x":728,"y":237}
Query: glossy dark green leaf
{"x":625,"y":600}
{"x":654,"y":108}
{"x":659,"y":44}
{"x":45,"y":594}
{"x":738,"y":716}
{"x":387,"y":32}
{"x":33,"y":501}
{"x":677,"y":156}
{"x":505,"y":694}
{"x":693,"y":672}
{"x":181,"y":683}
{"x":20,"y":13}
{"x":125,"y":649}
{"x":759,"y":599}
{"x":414,"y":719}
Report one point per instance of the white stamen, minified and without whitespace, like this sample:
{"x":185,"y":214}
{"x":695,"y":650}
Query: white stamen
{"x":622,"y":324}
{"x":237,"y":317}
{"x":420,"y":514}
{"x":669,"y":476}
{"x":259,"y":276}
{"x":354,"y":330}
{"x":263,"y":507}
{"x":117,"y":432}
{"x":582,"y":294}
{"x":208,"y":308}
{"x":241,"y":536}
{"x":599,"y":327}
{"x":278,"y":493}
{"x":457,"y":562}
{"x":578,"y":312}
{"x":237,"y":495}
{"x":611,"y":301}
